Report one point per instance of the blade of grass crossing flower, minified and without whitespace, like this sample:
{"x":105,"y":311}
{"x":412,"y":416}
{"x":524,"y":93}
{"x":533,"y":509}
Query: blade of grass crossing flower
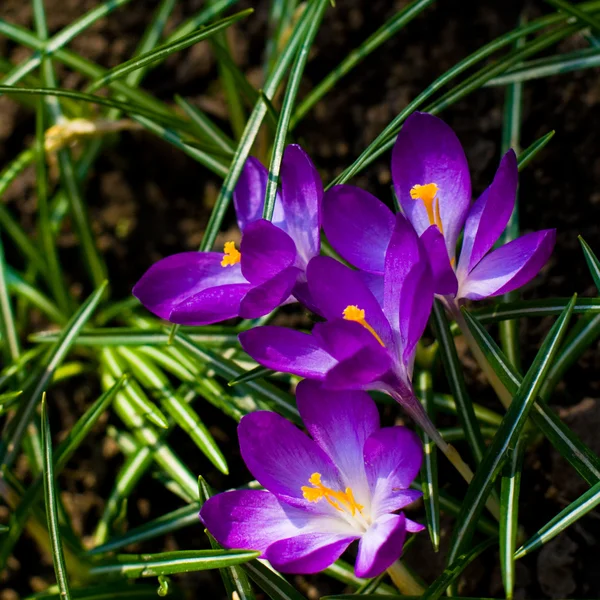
{"x":569,"y":446}
{"x":565,"y":518}
{"x":234,"y":578}
{"x":287,"y":106}
{"x":205,"y":126}
{"x":457,"y":566}
{"x":509,"y":514}
{"x":228,"y":369}
{"x":511,"y":138}
{"x":252,"y":126}
{"x":271,"y":583}
{"x":256,"y":373}
{"x":36,"y":383}
{"x":8,"y":330}
{"x":454,"y":373}
{"x":50,"y":495}
{"x":134,"y":566}
{"x":356,"y":56}
{"x":507,"y":436}
{"x":162,"y":52}
{"x":429,"y":474}
{"x":154,"y":379}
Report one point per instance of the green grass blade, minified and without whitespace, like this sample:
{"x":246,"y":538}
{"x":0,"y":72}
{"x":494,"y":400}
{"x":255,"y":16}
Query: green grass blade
{"x":186,"y":516}
{"x":256,"y":373}
{"x":356,"y":56}
{"x":208,"y":12}
{"x":565,"y":518}
{"x":530,"y":152}
{"x":484,"y":415}
{"x":458,"y":565}
{"x":576,"y":12}
{"x":271,"y":583}
{"x":206,"y":127}
{"x":50,"y":495}
{"x":169,"y":563}
{"x":287,"y":107}
{"x":8,"y":329}
{"x":511,"y":138}
{"x":252,"y":126}
{"x":507,"y":436}
{"x":509,"y":514}
{"x":592,"y":262}
{"x":229,"y":370}
{"x":36,"y":383}
{"x":454,"y":373}
{"x":153,"y":378}
{"x":165,"y":50}
{"x":535,"y":308}
{"x":113,"y":591}
{"x":429,"y":470}
{"x":572,"y":449}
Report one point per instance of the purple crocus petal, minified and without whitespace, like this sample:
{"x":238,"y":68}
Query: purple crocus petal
{"x":342,"y":339}
{"x":392,"y":458}
{"x":428,"y":151}
{"x":509,"y":267}
{"x":413,"y":526}
{"x":287,"y":350}
{"x":308,"y":553}
{"x":380,"y":546}
{"x":402,"y":498}
{"x":358,"y":226}
{"x":488,"y":217}
{"x":334,"y":287}
{"x":251,"y":519}
{"x":301,"y":196}
{"x":282,"y":458}
{"x":249,"y":194}
{"x":266,"y":251}
{"x":362,"y":371}
{"x":178,"y":277}
{"x":340,"y":423}
{"x":270,"y":294}
{"x":374,"y":281}
{"x":444,"y":278}
{"x":210,"y":306}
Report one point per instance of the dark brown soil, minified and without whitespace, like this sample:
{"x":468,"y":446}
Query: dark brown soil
{"x":148,"y":200}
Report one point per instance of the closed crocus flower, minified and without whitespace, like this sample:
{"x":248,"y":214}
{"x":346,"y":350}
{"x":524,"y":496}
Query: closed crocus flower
{"x":432,"y":184}
{"x":347,"y":483}
{"x":268,"y":269}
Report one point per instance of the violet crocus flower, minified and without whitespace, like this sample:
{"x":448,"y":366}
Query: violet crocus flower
{"x":432,"y":184}
{"x":346,"y":483}
{"x":199,"y":288}
{"x":366,"y":342}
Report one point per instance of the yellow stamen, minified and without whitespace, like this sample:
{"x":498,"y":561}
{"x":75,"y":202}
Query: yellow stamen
{"x":339,"y":500}
{"x":231,"y":256}
{"x":353,"y":313}
{"x":428,"y":195}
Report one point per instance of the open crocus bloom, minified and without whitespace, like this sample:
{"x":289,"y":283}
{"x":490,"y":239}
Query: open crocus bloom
{"x":432,"y":183}
{"x":199,"y":288}
{"x":344,"y":484}
{"x":367,"y":342}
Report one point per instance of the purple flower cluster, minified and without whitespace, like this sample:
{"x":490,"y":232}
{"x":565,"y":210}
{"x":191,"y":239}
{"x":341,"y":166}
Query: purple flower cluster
{"x":347,"y":482}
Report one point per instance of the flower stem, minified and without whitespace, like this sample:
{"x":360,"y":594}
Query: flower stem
{"x":404,"y":580}
{"x":503,"y":394}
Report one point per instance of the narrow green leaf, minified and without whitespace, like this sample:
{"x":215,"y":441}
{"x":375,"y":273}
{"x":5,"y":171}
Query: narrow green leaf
{"x":147,"y":372}
{"x":531,"y":152}
{"x":592,"y":262}
{"x":36,"y":383}
{"x":113,"y":591}
{"x":457,"y":566}
{"x":169,"y":563}
{"x":576,"y":12}
{"x":535,"y":308}
{"x":562,"y":438}
{"x":429,"y":471}
{"x":454,"y":373}
{"x":485,"y":416}
{"x":50,"y":495}
{"x":256,"y":373}
{"x":8,"y":328}
{"x":507,"y":436}
{"x":162,"y":52}
{"x":565,"y":518}
{"x":273,"y":584}
{"x":287,"y":107}
{"x":509,"y":514}
{"x":357,"y":55}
